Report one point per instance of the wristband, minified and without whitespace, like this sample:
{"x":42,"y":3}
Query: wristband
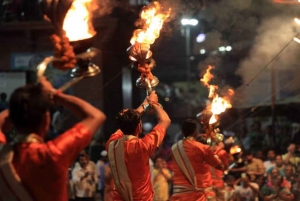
{"x":144,"y":106}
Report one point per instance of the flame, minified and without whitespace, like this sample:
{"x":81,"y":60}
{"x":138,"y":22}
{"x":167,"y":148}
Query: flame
{"x":153,"y":18}
{"x":77,"y":23}
{"x":206,"y":79}
{"x":218,"y":104}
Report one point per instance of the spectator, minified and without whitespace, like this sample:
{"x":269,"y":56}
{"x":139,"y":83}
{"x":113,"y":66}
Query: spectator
{"x":271,"y":160}
{"x":246,"y":191}
{"x":161,"y":177}
{"x":254,"y":166}
{"x":290,"y":157}
{"x":289,"y":173}
{"x":100,"y":166}
{"x":85,"y":180}
{"x":277,"y":191}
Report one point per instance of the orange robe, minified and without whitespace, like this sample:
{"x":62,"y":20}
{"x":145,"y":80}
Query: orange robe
{"x":136,"y":155}
{"x":217,"y":175}
{"x":2,"y":138}
{"x":200,"y":157}
{"x":43,"y":167}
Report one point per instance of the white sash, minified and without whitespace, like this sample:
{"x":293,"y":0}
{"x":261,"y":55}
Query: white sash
{"x":118,"y":168}
{"x":11,"y":188}
{"x":186,"y":167}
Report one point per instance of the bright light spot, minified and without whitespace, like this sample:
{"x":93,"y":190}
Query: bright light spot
{"x":297,"y":40}
{"x":202,"y":51}
{"x":201,"y":37}
{"x":222,"y":49}
{"x":167,"y":99}
{"x":186,"y":21}
{"x":228,"y":48}
{"x":297,"y":20}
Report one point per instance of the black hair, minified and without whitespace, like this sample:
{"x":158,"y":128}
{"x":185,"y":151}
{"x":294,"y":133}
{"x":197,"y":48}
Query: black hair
{"x":188,"y":127}
{"x":128,"y":120}
{"x":3,"y":96}
{"x":27,"y":107}
{"x":247,"y":152}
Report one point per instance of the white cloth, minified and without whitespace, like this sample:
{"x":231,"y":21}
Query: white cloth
{"x":84,"y":186}
{"x":268,"y":165}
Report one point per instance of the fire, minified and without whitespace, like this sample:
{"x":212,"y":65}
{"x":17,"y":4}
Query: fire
{"x":218,"y":104}
{"x":206,"y":79}
{"x":153,"y":18}
{"x":77,"y":23}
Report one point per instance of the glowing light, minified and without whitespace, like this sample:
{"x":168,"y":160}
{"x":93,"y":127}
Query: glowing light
{"x":201,"y":38}
{"x":228,"y":48}
{"x":77,"y":23}
{"x":186,"y":21}
{"x":202,"y":51}
{"x":222,"y":49}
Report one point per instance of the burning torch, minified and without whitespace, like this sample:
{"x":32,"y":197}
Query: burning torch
{"x":73,"y":39}
{"x":209,"y":118}
{"x":152,"y":18}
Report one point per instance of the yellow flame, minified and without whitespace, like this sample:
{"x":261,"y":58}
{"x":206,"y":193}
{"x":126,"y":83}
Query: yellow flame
{"x":206,"y":79}
{"x":153,"y":18}
{"x":77,"y":23}
{"x":213,"y":119}
{"x":218,"y":104}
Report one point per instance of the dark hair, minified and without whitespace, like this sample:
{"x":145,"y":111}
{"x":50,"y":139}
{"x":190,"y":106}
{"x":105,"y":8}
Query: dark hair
{"x":188,"y":127}
{"x":27,"y":107}
{"x":128,"y":120}
{"x":247,"y":152}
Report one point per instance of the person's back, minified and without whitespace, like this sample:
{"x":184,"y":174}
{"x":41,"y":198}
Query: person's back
{"x":129,"y":155}
{"x":136,"y":154}
{"x":42,"y":168}
{"x":197,"y":152}
{"x":191,"y":166}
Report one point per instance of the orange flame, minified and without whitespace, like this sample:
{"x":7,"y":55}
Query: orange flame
{"x":218,"y":104}
{"x":206,"y":79}
{"x":153,"y":18}
{"x":77,"y":23}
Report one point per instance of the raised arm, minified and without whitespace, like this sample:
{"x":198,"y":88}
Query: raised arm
{"x":161,"y":115}
{"x":91,"y":117}
{"x":4,"y":124}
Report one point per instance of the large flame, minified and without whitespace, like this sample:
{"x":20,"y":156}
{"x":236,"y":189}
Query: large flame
{"x":218,"y":104}
{"x":153,"y":18}
{"x":77,"y":23}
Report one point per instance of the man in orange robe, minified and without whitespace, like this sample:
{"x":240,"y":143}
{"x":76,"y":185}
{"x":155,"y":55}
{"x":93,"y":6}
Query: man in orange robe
{"x":129,"y":156}
{"x":191,"y":160}
{"x":217,"y":175}
{"x":42,"y":168}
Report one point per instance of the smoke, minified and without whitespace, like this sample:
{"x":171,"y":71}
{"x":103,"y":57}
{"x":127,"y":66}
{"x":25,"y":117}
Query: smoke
{"x":273,"y":35}
{"x":102,"y":8}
